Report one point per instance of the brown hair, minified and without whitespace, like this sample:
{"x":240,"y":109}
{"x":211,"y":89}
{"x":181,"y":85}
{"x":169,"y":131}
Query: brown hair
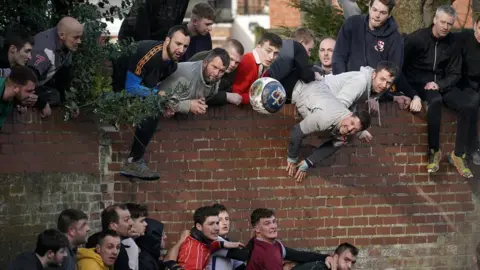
{"x":389,"y":3}
{"x":203,"y":10}
{"x":303,"y":34}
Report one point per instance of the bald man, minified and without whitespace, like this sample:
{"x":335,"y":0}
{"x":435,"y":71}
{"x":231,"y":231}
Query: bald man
{"x":325,"y":52}
{"x":52,"y":60}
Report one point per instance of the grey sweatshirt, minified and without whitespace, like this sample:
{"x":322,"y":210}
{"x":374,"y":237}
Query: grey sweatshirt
{"x":321,"y":112}
{"x":353,"y":87}
{"x":189,"y":74}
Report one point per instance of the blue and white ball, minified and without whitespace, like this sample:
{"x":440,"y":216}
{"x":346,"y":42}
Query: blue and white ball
{"x":267,"y":95}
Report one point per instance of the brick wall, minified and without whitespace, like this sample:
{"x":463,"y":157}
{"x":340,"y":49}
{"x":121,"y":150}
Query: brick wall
{"x":282,"y":14}
{"x":46,"y":166}
{"x":375,"y":196}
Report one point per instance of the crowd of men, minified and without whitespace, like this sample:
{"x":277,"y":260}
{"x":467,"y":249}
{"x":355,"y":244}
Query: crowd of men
{"x":130,"y":240}
{"x":368,"y":62}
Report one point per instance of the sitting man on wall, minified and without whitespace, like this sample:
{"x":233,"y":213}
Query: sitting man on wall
{"x":292,"y":64}
{"x":50,"y":251}
{"x":255,"y":64}
{"x":139,"y":74}
{"x":52,"y":62}
{"x":431,"y":71}
{"x":322,"y":112}
{"x":224,"y":96}
{"x":16,"y":50}
{"x":469,"y":43}
{"x":103,"y":255}
{"x":18,"y":87}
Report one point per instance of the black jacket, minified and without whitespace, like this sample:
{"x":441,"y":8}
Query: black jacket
{"x":26,"y":261}
{"x":469,"y":49}
{"x":153,"y":19}
{"x":430,"y":59}
{"x":149,"y":245}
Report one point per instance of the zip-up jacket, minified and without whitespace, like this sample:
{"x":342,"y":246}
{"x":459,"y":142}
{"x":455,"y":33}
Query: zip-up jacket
{"x":429,"y":59}
{"x":469,"y":49}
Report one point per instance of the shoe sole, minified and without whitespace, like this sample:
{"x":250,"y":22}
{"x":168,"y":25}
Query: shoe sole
{"x":450,"y":160}
{"x":137,"y":177}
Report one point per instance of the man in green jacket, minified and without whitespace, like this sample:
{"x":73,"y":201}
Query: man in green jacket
{"x":17,"y":89}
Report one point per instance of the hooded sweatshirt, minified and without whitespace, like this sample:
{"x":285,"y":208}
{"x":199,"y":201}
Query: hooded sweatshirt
{"x":88,"y":259}
{"x":357,"y":45}
{"x":190,"y":75}
{"x":218,"y":260}
{"x":150,"y":245}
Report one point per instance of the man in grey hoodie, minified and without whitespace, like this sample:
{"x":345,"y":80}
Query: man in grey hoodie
{"x":195,"y":82}
{"x":321,"y":112}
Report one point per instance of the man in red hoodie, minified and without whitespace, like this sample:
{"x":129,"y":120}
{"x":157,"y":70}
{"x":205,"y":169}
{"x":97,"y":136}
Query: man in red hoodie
{"x":255,"y":64}
{"x":202,"y":241}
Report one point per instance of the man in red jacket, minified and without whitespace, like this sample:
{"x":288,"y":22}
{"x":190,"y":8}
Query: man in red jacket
{"x":202,"y":241}
{"x":255,"y":64}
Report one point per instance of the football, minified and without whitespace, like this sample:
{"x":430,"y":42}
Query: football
{"x":267,"y":95}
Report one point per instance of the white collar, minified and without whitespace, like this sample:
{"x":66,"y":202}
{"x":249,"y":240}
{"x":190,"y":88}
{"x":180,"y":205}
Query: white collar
{"x":257,"y":57}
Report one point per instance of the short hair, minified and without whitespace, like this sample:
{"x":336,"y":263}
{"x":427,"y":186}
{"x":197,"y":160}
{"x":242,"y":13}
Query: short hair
{"x":235,"y":44}
{"x":390,"y":67}
{"x":178,"y":28}
{"x":346,"y":247}
{"x":202,"y":213}
{"x":68,"y":217}
{"x":137,"y":210}
{"x":389,"y":3}
{"x":203,"y":10}
{"x":17,"y":37}
{"x":447,"y":9}
{"x":51,"y":239}
{"x":110,"y":215}
{"x":260,"y":213}
{"x":274,"y":40}
{"x":220,"y":207}
{"x":478,"y":19}
{"x":325,"y":38}
{"x":101,"y":235}
{"x":21,"y":75}
{"x":218,"y":52}
{"x":364,"y":117}
{"x":303,"y":34}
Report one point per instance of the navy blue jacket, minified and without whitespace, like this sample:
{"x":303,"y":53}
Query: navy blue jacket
{"x":358,"y":46}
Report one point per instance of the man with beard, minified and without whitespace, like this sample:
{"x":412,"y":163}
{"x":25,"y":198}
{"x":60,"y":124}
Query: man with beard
{"x":202,"y":241}
{"x":325,"y":52}
{"x":224,"y":96}
{"x":322,"y":112}
{"x":431,"y":70}
{"x":16,"y":51}
{"x":103,"y":255}
{"x":200,"y":26}
{"x":140,"y":74}
{"x":50,"y":251}
{"x":196,"y":82}
{"x":74,"y":224}
{"x":52,"y":62}
{"x":152,"y":19}
{"x":18,"y":87}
